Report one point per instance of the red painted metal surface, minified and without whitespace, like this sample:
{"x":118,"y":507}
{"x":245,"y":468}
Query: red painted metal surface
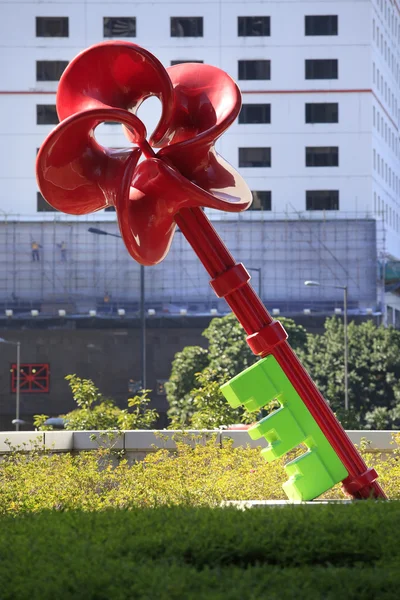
{"x":77,"y":175}
{"x":34,"y":378}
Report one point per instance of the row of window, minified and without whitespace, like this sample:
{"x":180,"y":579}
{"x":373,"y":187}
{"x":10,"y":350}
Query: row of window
{"x":250,"y":26}
{"x":385,"y":91}
{"x":384,"y":47}
{"x":315,"y":156}
{"x":262,"y":200}
{"x":384,"y":171}
{"x":315,"y":200}
{"x":248,"y":70}
{"x":385,"y":130}
{"x":315,"y":112}
{"x":390,"y":215}
{"x":388,"y":10}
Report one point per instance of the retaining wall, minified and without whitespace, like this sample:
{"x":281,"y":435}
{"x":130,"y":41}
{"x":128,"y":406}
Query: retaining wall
{"x":138,"y":443}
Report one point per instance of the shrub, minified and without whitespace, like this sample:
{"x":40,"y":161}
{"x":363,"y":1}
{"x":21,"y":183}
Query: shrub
{"x":204,"y":475}
{"x":99,"y":413}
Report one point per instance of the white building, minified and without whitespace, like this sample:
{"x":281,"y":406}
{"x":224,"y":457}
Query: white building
{"x":318,"y":134}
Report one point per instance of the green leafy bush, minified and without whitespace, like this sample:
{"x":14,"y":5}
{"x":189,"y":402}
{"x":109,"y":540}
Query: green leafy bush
{"x":205,"y":475}
{"x":97,"y":412}
{"x":374,"y":372}
{"x":187,"y":363}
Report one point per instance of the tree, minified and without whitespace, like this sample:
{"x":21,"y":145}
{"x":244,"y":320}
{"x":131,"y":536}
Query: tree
{"x":373,"y":367}
{"x":96,"y":412}
{"x":197,"y":374}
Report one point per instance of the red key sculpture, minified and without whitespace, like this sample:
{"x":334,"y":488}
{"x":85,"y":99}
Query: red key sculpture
{"x":77,"y":175}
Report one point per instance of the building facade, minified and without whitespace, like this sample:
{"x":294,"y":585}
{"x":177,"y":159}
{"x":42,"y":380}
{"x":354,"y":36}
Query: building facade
{"x":317,"y":140}
{"x":317,"y":137}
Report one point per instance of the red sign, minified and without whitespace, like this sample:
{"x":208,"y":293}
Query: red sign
{"x":34,"y":378}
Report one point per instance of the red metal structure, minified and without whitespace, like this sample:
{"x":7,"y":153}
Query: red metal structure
{"x":77,"y":175}
{"x":34,"y":378}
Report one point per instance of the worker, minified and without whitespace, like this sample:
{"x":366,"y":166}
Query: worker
{"x":63,"y":248}
{"x":35,"y":251}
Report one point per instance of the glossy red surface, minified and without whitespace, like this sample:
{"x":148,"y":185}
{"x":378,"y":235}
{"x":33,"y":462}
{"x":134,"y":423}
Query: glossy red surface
{"x":77,"y":175}
{"x":108,"y":82}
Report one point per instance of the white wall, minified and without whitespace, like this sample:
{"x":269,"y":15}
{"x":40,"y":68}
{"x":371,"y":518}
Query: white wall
{"x":356,"y":47}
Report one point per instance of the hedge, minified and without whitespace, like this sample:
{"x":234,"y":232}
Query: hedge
{"x":205,"y":475}
{"x":182,"y":553}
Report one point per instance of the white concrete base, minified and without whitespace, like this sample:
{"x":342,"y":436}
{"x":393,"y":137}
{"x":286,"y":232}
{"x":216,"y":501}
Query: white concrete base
{"x":137,"y":442}
{"x":244,"y":504}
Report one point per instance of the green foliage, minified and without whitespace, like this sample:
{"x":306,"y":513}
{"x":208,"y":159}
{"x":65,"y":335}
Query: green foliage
{"x":204,"y":475}
{"x":211,"y":409}
{"x":39,"y":423}
{"x":294,"y":552}
{"x":187,"y":363}
{"x":95,"y":412}
{"x":138,"y":415}
{"x":374,"y":372}
{"x":84,"y":391}
{"x":193,"y":389}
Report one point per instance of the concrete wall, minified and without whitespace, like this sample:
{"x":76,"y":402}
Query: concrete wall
{"x":137,"y":444}
{"x":105,"y":350}
{"x":111,"y":357}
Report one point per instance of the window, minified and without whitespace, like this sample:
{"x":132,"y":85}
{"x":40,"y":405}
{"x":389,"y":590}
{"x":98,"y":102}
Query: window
{"x":119,"y":27}
{"x":322,"y":112}
{"x":255,"y":113}
{"x":254,"y":26}
{"x":42,"y":205}
{"x":322,"y":156}
{"x":181,"y":62}
{"x":254,"y":157}
{"x":109,"y":209}
{"x":322,"y":68}
{"x":50,"y":70}
{"x":186,"y":26}
{"x":52,"y":27}
{"x":261,"y":201}
{"x":46,"y":114}
{"x":254,"y":69}
{"x":322,"y":200}
{"x":321,"y":25}
{"x":160,"y":387}
{"x":34,"y":378}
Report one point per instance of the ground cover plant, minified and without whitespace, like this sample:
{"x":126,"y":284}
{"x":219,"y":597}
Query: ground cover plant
{"x":175,"y":553}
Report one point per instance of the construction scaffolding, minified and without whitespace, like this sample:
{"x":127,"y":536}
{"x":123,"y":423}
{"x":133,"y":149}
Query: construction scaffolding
{"x":58,"y":263}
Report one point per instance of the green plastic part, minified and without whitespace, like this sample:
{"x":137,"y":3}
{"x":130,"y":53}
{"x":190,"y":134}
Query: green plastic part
{"x":310,"y":474}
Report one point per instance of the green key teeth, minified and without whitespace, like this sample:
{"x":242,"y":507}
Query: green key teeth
{"x":315,"y":471}
{"x":282,"y":432}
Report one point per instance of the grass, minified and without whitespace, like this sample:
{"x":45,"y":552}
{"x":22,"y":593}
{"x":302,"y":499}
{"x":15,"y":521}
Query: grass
{"x":319,"y":552}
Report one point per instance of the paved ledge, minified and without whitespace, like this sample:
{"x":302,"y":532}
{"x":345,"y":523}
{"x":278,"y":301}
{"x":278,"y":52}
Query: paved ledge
{"x":244,"y":504}
{"x":140,"y":442}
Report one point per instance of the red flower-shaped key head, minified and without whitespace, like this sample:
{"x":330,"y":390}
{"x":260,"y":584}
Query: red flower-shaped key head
{"x":108,"y":82}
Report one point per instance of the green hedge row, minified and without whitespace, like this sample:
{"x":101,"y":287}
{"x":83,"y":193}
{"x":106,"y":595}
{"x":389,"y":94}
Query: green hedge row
{"x":205,"y":475}
{"x":293,"y":552}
